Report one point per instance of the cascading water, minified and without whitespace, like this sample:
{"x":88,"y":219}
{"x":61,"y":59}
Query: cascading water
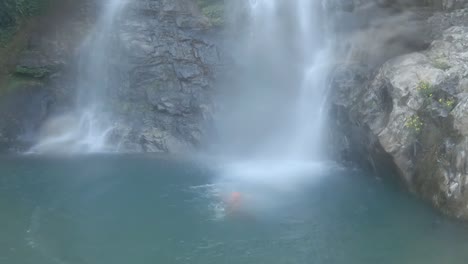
{"x":275,"y":107}
{"x":273,"y":113}
{"x":86,"y":128}
{"x":309,"y":122}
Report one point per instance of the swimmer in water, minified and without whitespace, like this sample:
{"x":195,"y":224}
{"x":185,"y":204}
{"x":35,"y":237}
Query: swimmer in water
{"x":236,"y":207}
{"x":234,"y":202}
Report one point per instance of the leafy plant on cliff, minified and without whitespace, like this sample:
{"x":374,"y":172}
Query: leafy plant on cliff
{"x":414,"y":124}
{"x":448,"y":103}
{"x":425,"y":89}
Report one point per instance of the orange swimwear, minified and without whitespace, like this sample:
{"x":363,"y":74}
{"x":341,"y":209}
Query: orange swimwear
{"x":236,"y":196}
{"x":234,"y":201}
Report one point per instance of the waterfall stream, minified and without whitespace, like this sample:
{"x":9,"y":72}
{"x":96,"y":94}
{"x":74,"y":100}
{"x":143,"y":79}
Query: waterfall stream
{"x":274,"y":112}
{"x":275,"y":107}
{"x":87,"y":126}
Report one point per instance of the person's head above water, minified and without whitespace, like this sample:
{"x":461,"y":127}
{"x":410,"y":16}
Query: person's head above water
{"x":234,"y":201}
{"x":235,"y":196}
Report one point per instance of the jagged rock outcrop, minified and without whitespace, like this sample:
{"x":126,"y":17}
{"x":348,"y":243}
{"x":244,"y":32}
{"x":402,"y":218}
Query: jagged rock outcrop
{"x":414,"y":109}
{"x":172,"y":58}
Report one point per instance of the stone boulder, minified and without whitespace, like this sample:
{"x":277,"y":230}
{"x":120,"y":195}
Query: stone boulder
{"x":414,"y":108}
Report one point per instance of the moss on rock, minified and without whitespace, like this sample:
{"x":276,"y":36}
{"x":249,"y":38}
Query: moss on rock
{"x":213,"y":10}
{"x":15,"y":82}
{"x":32,"y":72}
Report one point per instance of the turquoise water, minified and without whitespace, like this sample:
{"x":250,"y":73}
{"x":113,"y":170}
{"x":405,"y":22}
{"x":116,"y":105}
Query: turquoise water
{"x":148,"y":209}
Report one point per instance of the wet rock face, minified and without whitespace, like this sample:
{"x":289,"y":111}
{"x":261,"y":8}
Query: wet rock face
{"x":415,"y":108}
{"x":35,"y":73}
{"x":170,"y":61}
{"x":164,"y":65}
{"x":376,"y":31}
{"x":31,"y":104}
{"x":453,"y":4}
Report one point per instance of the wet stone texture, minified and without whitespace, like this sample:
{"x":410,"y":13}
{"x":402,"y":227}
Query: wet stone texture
{"x":414,"y":109}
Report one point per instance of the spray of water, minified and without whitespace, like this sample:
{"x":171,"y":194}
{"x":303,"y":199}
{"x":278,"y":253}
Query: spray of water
{"x":274,"y":112}
{"x":87,"y":126}
{"x":274,"y":108}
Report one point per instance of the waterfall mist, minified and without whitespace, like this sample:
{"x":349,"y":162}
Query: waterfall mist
{"x":86,"y":127}
{"x":273,"y":109}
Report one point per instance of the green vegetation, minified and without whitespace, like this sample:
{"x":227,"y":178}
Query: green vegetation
{"x":441,"y":63}
{"x":213,"y":10}
{"x":32,"y":72}
{"x":414,"y":123}
{"x":448,"y":103}
{"x":425,"y":88}
{"x":14,"y":82}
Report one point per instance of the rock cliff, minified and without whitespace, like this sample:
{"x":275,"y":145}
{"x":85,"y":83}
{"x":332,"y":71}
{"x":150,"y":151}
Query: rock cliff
{"x":166,"y":59}
{"x":172,"y":59}
{"x":412,"y":110}
{"x":35,"y":67}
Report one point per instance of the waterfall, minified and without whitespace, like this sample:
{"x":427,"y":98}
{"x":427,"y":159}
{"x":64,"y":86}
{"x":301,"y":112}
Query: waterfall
{"x":275,"y":107}
{"x":87,"y":126}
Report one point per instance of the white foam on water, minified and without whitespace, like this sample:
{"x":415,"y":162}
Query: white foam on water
{"x":262,"y":187}
{"x":211,"y":196}
{"x":73,"y":133}
{"x":277,"y":173}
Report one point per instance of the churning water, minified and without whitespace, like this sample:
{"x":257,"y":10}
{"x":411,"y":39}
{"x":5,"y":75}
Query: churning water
{"x":86,"y":128}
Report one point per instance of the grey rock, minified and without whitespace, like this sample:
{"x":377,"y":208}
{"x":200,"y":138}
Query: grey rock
{"x":414,"y":109}
{"x":460,"y":117}
{"x":453,"y":4}
{"x":441,"y":21}
{"x":172,"y":64}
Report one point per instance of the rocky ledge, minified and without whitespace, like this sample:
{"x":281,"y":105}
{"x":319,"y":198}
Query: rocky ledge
{"x":414,"y":111}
